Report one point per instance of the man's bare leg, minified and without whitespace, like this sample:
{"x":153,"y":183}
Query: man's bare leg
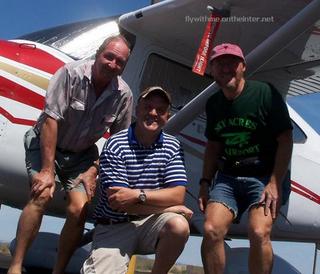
{"x":217,"y":221}
{"x":28,"y":227}
{"x":259,"y":230}
{"x":172,"y":240}
{"x":72,"y":231}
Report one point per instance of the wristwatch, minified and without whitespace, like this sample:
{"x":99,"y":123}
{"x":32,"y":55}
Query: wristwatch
{"x":142,"y":197}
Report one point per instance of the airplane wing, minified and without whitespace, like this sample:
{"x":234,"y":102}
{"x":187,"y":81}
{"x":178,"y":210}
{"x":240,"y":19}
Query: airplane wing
{"x":79,"y":40}
{"x":178,"y":26}
{"x":280,"y":41}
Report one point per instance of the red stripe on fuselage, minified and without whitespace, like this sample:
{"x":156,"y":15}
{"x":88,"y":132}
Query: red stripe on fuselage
{"x":304,"y":194}
{"x":193,"y":140}
{"x":308,"y":193}
{"x":20,"y":93}
{"x":106,"y":135}
{"x":316,"y":31}
{"x":16,"y":120}
{"x":30,"y":55}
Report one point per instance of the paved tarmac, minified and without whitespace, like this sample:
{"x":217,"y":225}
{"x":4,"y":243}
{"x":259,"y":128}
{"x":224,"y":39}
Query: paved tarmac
{"x":5,"y":262}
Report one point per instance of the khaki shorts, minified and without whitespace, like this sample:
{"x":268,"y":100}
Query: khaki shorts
{"x":114,"y":244}
{"x":68,"y":165}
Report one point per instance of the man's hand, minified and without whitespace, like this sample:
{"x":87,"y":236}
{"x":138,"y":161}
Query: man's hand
{"x":180,"y":209}
{"x":88,"y":179}
{"x":271,"y":198}
{"x":203,"y":196}
{"x":40,"y":181}
{"x":121,"y":197}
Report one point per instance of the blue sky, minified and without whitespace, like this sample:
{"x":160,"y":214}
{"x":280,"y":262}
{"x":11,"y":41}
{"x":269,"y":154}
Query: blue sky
{"x":19,"y":17}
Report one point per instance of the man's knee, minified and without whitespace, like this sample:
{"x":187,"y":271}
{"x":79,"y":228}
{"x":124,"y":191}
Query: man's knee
{"x":218,"y":218}
{"x":178,"y":226}
{"x":41,"y":201}
{"x":214,"y":231}
{"x":259,"y":234}
{"x":77,"y":210}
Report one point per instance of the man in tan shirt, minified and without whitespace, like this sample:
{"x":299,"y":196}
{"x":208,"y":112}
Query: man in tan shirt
{"x":85,"y":99}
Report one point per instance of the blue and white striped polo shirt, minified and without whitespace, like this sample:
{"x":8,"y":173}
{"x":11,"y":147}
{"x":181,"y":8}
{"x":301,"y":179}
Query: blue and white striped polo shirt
{"x":126,"y":163}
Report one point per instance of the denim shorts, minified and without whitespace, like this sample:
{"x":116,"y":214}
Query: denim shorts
{"x":240,"y":193}
{"x":68,"y":165}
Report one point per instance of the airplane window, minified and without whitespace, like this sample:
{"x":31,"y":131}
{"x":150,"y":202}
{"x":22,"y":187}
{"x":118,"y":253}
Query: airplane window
{"x":299,"y":137}
{"x":178,"y":79}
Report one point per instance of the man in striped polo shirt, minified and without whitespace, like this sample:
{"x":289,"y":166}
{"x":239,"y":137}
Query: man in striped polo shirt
{"x":143,"y":182}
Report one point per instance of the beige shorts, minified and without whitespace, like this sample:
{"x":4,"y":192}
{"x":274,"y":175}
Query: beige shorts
{"x":113,"y":245}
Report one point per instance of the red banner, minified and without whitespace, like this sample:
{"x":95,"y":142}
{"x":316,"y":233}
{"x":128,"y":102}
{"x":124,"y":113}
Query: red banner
{"x":201,"y":60}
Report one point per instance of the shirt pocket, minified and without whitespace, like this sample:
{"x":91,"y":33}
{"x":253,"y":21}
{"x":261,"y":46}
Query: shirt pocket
{"x":99,"y":129}
{"x":77,"y":104}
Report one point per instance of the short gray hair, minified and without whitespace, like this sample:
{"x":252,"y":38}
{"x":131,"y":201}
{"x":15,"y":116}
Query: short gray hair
{"x":110,"y":39}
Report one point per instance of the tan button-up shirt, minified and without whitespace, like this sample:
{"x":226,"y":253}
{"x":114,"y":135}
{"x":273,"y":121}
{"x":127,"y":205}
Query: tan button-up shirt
{"x":83,"y":118}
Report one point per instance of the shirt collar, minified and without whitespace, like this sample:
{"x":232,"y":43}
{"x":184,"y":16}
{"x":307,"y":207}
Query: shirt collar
{"x":88,"y":70}
{"x":133,"y":140}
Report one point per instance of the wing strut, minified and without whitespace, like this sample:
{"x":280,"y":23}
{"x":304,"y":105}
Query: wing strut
{"x":276,"y":42}
{"x":316,"y":250}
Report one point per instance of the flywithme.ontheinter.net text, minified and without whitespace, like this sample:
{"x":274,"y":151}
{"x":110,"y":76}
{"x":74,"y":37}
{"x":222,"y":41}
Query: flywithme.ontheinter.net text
{"x":231,"y":19}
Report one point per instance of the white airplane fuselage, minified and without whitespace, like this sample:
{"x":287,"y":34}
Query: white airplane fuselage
{"x":300,"y":218}
{"x":23,"y":82}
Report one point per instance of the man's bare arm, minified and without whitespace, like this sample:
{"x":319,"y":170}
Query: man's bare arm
{"x":273,"y":192}
{"x":210,"y":167}
{"x":48,"y":142}
{"x":143,"y":209}
{"x":120,"y":196}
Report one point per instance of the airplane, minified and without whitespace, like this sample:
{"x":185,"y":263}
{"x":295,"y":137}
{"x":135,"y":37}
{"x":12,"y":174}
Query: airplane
{"x":281,"y":43}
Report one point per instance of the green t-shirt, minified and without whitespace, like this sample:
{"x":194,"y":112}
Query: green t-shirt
{"x":248,"y":125}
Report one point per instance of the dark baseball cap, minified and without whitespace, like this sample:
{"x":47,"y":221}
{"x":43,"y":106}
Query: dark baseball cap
{"x":155,"y":90}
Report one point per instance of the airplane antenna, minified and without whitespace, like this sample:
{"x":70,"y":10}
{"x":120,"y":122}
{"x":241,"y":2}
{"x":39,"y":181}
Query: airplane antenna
{"x":210,"y":8}
{"x":316,"y":250}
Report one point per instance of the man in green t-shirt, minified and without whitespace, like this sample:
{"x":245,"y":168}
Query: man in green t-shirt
{"x":248,"y":152}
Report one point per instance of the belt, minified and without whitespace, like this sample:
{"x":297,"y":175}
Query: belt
{"x":251,"y":161}
{"x":65,"y":151}
{"x":252,"y":166}
{"x":102,"y":221}
{"x":108,"y":221}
